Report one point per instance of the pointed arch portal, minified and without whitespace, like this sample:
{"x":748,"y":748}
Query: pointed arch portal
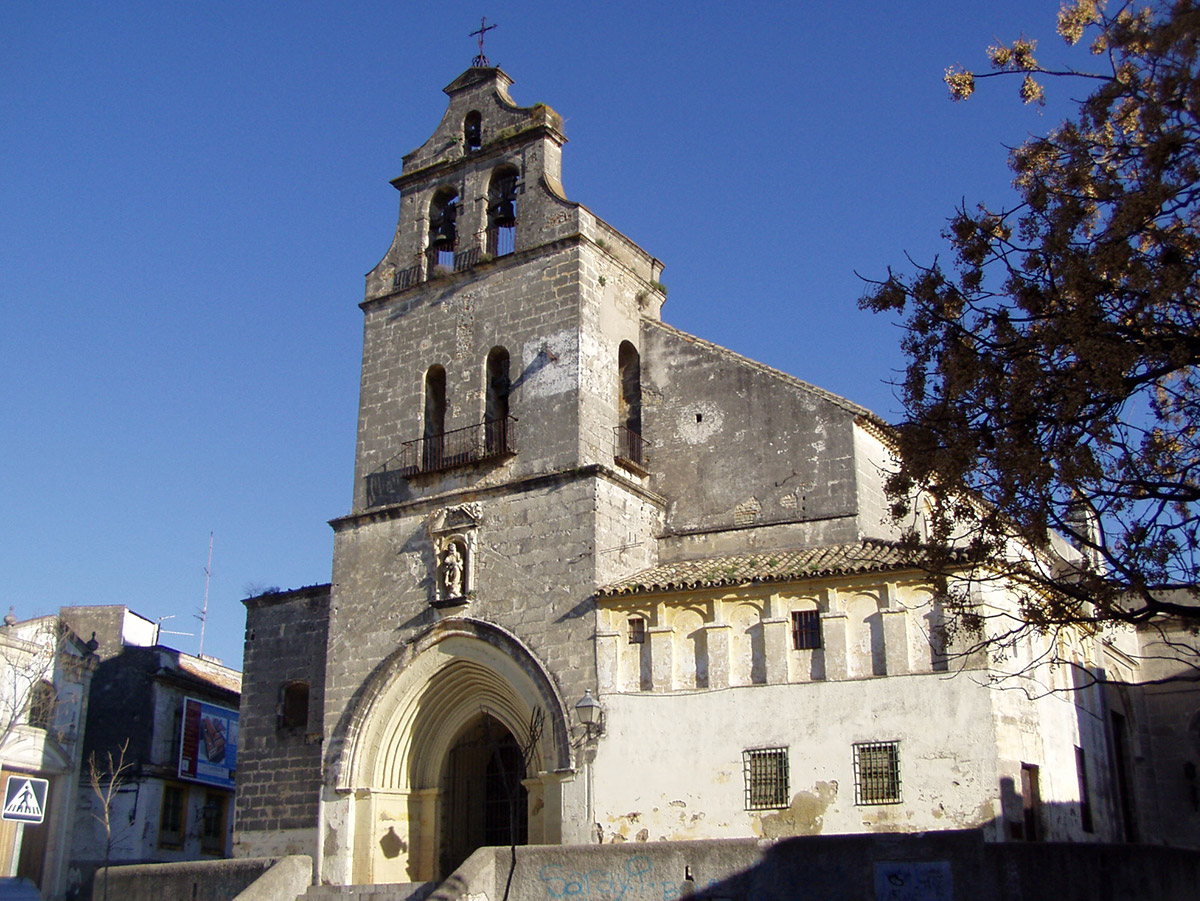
{"x":440,"y":756}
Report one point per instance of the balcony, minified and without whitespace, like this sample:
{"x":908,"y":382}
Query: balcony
{"x":491,"y":439}
{"x":630,"y":450}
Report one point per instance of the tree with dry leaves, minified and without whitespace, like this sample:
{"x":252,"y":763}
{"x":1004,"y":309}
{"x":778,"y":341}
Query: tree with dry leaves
{"x":1051,"y":385}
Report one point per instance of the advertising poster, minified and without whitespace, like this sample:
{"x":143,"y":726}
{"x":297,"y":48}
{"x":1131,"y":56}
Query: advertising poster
{"x":208,"y":749}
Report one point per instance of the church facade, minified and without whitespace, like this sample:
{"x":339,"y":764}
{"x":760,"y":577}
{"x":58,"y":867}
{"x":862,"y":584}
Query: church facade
{"x":606,"y":581}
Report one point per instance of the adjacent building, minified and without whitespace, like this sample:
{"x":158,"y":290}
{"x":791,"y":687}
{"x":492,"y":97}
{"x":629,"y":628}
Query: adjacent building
{"x":168,"y":718}
{"x":45,"y":675}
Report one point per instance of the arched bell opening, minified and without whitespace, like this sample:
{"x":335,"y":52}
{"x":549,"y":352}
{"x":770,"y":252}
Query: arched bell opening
{"x":472,"y":131}
{"x":502,"y":211}
{"x":443,"y":229}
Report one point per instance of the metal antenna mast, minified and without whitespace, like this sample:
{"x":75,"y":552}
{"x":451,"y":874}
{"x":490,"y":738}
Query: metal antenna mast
{"x":203,"y":617}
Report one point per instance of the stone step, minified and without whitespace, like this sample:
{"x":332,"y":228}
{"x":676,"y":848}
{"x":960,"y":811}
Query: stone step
{"x":13,"y":889}
{"x":395,"y":891}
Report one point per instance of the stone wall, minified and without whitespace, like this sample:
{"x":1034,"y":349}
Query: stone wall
{"x":279,"y":769}
{"x":794,"y":445}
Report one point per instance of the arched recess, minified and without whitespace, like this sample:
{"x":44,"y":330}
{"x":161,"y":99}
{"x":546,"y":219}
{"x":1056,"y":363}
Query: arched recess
{"x":502,"y":211}
{"x":411,"y":716}
{"x":495,"y":414}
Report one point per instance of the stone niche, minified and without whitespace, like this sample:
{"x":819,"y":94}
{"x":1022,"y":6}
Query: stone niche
{"x":454,"y":537}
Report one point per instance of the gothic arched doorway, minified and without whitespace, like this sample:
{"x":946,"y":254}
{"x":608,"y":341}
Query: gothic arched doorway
{"x":448,"y":753}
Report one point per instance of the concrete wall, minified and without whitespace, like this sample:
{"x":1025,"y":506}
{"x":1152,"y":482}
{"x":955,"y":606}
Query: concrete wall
{"x":211,"y":880}
{"x":932,"y":867}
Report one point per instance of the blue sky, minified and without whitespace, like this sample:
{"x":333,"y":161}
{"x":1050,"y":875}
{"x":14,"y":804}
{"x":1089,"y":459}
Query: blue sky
{"x":190,"y":194}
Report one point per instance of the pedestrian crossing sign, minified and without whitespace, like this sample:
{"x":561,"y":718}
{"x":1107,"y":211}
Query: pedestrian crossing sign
{"x":25,"y":799}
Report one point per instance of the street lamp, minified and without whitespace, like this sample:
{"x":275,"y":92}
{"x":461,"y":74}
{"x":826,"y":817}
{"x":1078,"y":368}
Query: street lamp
{"x":590,"y":713}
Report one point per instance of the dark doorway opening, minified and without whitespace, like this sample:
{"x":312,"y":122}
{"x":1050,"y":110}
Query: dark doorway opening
{"x":485,"y":800}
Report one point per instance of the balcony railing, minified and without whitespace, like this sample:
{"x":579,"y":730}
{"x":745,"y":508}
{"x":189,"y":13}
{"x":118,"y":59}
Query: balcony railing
{"x":629,"y":449}
{"x":500,"y":240}
{"x":487,"y":440}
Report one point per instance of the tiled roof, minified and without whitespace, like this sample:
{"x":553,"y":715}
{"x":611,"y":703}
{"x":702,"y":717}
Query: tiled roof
{"x":765,"y":566}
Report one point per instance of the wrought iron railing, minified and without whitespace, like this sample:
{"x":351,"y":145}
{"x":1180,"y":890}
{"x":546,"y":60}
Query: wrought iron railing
{"x":500,"y":240}
{"x":439,"y":256}
{"x":629,"y":448}
{"x":485,"y":440}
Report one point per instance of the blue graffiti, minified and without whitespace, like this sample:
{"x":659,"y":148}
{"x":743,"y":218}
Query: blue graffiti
{"x":635,"y":882}
{"x":561,"y":883}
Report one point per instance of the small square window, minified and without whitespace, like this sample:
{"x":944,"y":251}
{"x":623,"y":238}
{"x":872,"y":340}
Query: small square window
{"x":637,"y":630}
{"x":877,"y":773}
{"x":806,"y":630}
{"x":766,"y":772}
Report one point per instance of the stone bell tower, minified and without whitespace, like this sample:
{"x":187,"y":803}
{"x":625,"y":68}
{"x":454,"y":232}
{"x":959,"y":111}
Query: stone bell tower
{"x":500,"y":477}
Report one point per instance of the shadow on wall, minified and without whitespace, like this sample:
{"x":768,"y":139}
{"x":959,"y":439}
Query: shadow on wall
{"x":949,"y":865}
{"x":934,"y":866}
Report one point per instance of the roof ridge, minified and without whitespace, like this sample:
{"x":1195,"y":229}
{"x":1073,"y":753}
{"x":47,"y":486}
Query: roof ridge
{"x":846,"y":404}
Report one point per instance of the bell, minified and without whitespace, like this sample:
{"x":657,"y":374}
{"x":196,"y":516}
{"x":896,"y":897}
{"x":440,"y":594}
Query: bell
{"x":504,"y":213}
{"x":442,"y":232}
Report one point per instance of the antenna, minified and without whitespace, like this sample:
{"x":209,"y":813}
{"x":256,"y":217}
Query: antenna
{"x":203,"y":616}
{"x":162,"y":631}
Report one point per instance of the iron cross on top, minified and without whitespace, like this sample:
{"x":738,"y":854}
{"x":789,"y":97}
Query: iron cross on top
{"x":481,"y":61}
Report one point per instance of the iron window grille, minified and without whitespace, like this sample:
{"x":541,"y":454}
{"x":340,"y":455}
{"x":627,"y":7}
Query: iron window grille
{"x":766,"y":772}
{"x":877,"y":773}
{"x":637,"y":630}
{"x":806,"y":630}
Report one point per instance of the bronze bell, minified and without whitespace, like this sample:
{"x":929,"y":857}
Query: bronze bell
{"x":503,"y":213}
{"x":441,"y":227}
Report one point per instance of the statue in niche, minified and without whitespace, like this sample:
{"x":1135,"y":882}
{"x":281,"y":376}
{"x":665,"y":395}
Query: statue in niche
{"x":452,"y":571}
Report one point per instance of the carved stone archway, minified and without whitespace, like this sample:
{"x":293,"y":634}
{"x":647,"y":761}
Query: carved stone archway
{"x":410,"y":718}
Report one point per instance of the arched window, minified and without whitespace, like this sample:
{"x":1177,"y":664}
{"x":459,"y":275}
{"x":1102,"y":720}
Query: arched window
{"x":496,"y":410}
{"x":629,"y":428}
{"x":42,"y":700}
{"x":472,"y":131}
{"x":435,"y":418}
{"x":502,"y":211}
{"x":293,"y":705}
{"x":443,"y":228}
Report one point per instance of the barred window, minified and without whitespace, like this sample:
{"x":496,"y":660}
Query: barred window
{"x":766,"y":772}
{"x":806,"y":630}
{"x":637,"y":630}
{"x":877,"y":772}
